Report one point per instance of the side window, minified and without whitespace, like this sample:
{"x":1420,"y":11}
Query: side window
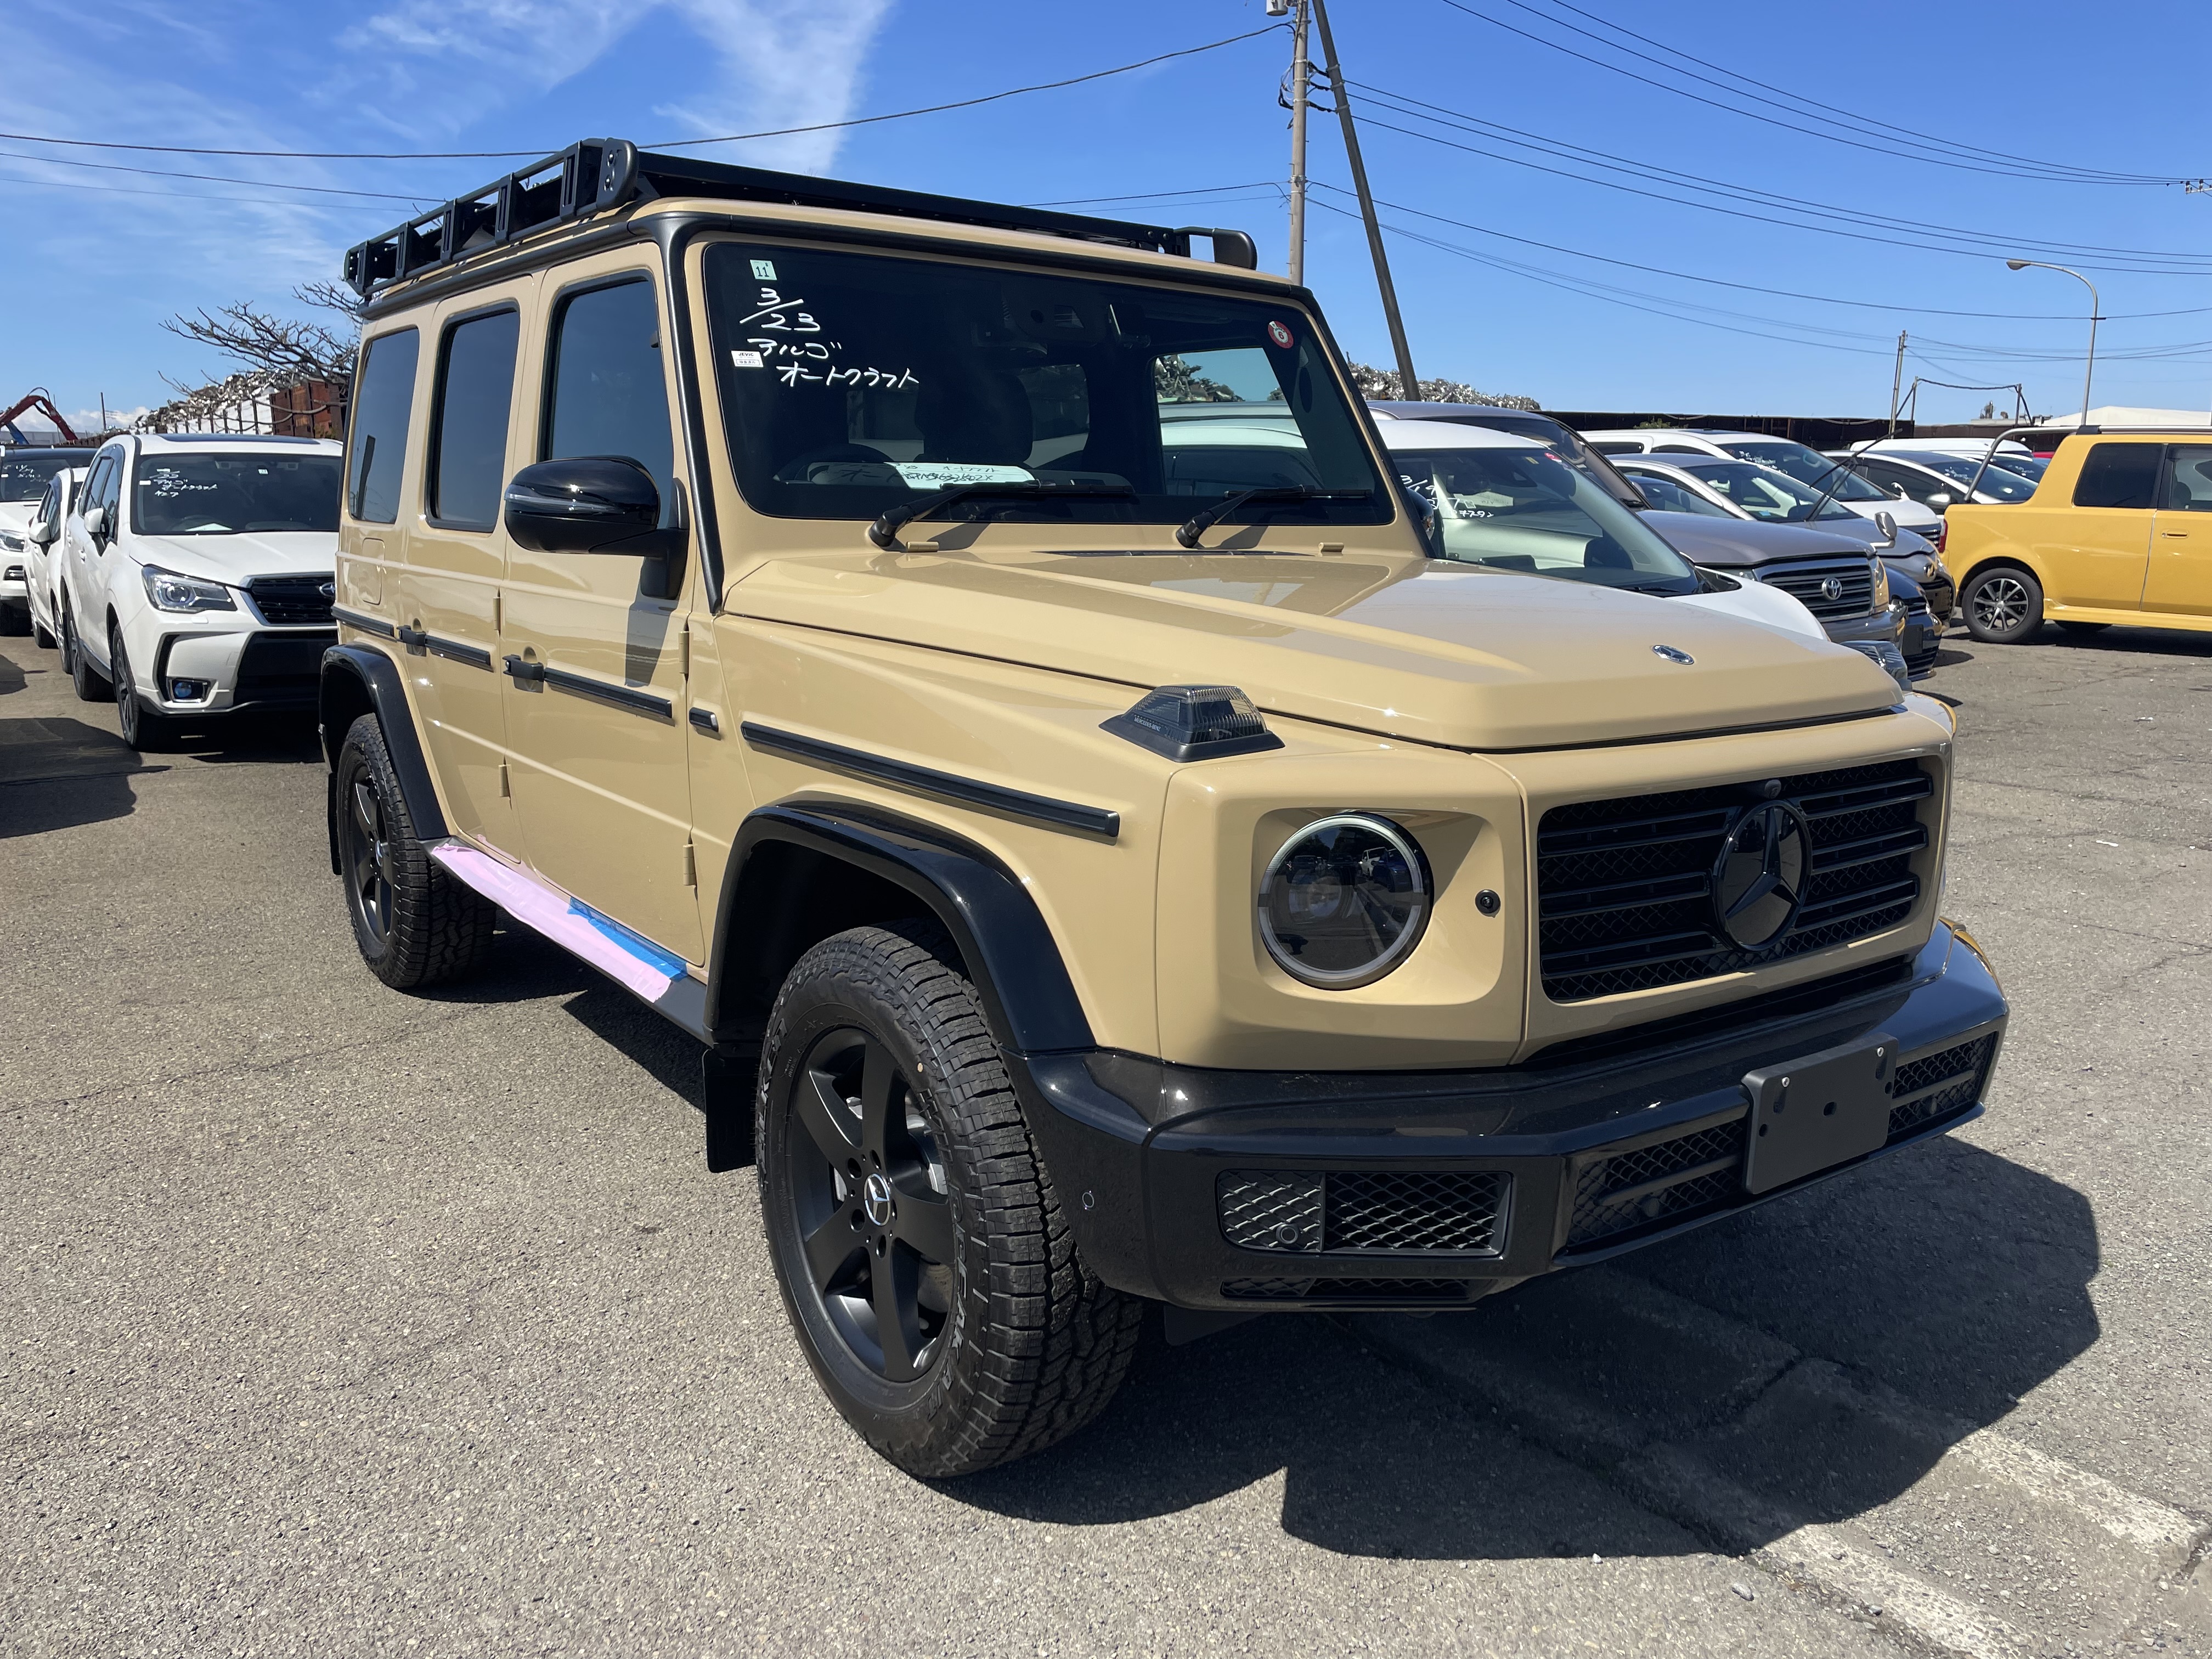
{"x":605,"y":395}
{"x":2188,"y":479}
{"x":1676,"y":449}
{"x":468,"y":421}
{"x":2120,"y":475}
{"x":383,"y":404}
{"x":100,"y":490}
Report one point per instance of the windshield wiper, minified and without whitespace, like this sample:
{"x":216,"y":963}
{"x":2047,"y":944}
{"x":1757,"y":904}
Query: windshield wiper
{"x":884,"y":533}
{"x":1202,"y":521}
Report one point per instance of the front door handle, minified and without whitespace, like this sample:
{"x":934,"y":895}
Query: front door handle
{"x":2175,"y":535}
{"x":415,"y":638}
{"x":526,"y":672}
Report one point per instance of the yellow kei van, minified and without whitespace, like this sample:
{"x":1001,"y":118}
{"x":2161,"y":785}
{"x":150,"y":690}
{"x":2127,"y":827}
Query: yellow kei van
{"x":2119,"y":531}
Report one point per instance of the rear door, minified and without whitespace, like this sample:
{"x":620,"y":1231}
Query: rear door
{"x":595,"y":691}
{"x":2180,"y":579}
{"x":2095,"y":550}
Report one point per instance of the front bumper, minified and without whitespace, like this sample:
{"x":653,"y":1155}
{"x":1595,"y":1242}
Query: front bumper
{"x":229,"y":670}
{"x":1888,"y":624}
{"x":1457,"y":1183}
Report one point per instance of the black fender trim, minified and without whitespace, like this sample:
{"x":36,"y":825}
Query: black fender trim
{"x":378,"y":679}
{"x":1010,"y":955}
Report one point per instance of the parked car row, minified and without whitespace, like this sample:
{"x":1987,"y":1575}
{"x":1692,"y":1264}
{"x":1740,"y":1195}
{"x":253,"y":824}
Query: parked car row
{"x":189,"y":578}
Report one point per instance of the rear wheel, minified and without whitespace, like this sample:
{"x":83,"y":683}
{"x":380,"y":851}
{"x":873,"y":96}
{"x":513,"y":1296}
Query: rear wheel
{"x":416,"y":924}
{"x":2003,"y":605}
{"x":143,"y":728}
{"x":922,"y":1250}
{"x":44,"y":635}
{"x":91,"y":686}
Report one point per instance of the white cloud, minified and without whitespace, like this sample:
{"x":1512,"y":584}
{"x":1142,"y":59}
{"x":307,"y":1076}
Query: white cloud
{"x":768,"y":64}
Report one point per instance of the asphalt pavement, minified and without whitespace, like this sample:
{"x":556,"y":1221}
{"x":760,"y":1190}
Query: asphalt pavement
{"x":339,"y":1321}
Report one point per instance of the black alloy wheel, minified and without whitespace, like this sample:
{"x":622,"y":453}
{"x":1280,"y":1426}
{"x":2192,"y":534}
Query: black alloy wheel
{"x":86,"y":680}
{"x":875,"y":1216}
{"x":925,"y":1260}
{"x":143,"y":728}
{"x":416,"y":924}
{"x":2003,"y":605}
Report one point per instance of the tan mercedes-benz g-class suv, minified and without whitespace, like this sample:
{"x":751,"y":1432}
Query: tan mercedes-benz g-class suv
{"x":1103,"y":869}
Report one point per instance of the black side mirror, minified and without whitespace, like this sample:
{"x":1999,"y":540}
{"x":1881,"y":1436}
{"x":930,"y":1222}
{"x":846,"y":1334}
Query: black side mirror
{"x":596,"y":504}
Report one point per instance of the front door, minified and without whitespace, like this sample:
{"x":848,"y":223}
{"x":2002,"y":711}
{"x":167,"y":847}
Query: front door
{"x":595,"y":682}
{"x":87,"y":555}
{"x":2096,"y":549}
{"x":2180,"y":580}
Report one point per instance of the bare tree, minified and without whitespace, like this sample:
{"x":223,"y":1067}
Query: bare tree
{"x":275,"y":345}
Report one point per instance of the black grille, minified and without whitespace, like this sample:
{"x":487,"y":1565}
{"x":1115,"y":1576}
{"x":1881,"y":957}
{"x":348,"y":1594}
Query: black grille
{"x":1657,"y":1185}
{"x":292,"y":601}
{"x":1363,"y":1211}
{"x":1348,"y":1290}
{"x":1854,"y":586}
{"x":1944,"y":1083}
{"x":282,"y":668}
{"x":1624,"y":887}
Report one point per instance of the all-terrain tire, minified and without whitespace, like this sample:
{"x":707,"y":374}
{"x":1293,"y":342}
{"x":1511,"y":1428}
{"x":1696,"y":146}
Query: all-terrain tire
{"x":1029,"y":1346}
{"x":2002,"y":606}
{"x":417,"y":925}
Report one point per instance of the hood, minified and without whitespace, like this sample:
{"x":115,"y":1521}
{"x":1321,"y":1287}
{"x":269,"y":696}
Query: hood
{"x":239,"y":558}
{"x":1739,"y":544}
{"x":16,"y":516}
{"x":1405,"y":646}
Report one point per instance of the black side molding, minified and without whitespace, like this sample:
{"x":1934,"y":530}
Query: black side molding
{"x":359,"y":680}
{"x":366,"y":623}
{"x":928,"y":780}
{"x":1028,"y":998}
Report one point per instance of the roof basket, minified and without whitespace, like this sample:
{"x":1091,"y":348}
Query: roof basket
{"x":599,"y":174}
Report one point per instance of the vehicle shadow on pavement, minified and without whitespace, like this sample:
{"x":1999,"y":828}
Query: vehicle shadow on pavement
{"x":56,"y":773}
{"x":1819,"y":1356}
{"x":249,"y":739}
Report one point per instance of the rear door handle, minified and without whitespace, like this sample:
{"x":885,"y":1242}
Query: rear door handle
{"x":522,"y":671}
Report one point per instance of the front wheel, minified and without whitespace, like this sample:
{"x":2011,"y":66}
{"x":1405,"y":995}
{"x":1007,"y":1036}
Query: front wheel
{"x":2003,"y":605}
{"x":922,"y":1250}
{"x":143,"y":728}
{"x":416,"y":924}
{"x":89,"y":684}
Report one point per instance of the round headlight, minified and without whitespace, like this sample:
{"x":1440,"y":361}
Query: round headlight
{"x":1344,"y":901}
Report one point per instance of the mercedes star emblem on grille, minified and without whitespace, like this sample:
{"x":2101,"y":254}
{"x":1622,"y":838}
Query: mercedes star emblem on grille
{"x":1758,"y":880}
{"x":1673,"y":655}
{"x":1832,"y":588}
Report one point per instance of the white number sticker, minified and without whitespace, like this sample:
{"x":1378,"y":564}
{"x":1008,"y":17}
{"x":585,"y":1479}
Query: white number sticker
{"x":765,"y":270}
{"x":747,"y":359}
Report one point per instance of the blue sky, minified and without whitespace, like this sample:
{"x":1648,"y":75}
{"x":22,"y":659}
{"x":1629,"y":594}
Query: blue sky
{"x":94,"y":259}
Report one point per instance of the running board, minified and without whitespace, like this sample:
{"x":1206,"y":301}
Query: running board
{"x":655,"y":976}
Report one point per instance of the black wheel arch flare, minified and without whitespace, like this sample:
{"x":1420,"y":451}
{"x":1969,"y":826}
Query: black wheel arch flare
{"x":357,"y":680}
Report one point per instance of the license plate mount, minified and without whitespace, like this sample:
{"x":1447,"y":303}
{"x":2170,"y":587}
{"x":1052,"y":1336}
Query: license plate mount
{"x":1818,"y":1111}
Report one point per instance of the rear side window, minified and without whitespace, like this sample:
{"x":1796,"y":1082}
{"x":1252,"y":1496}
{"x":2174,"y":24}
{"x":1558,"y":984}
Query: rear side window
{"x":2189,"y":479}
{"x":383,"y":404}
{"x":607,"y":397}
{"x":468,"y":449}
{"x":2120,"y":475}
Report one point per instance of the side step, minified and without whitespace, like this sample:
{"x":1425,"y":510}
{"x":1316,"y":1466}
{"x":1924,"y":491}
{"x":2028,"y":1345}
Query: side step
{"x":657,"y":977}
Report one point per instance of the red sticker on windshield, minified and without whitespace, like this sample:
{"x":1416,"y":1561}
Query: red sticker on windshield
{"x":1279,"y":335}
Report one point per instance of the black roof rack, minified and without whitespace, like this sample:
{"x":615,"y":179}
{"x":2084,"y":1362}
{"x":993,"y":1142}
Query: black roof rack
{"x":599,"y":174}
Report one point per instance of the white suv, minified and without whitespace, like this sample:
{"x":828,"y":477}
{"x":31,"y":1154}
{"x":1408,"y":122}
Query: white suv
{"x":195,"y":577}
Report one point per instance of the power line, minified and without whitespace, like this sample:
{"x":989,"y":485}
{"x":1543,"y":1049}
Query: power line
{"x":668,"y":143}
{"x":1752,"y":115}
{"x":1754,"y":288}
{"x":207,"y":177}
{"x":1158,"y":195}
{"x":1748,"y":87}
{"x":1607,"y":160}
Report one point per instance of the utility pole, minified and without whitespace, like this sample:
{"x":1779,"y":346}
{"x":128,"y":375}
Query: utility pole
{"x":1896,"y":382}
{"x":1301,"y":87}
{"x":1409,"y":384}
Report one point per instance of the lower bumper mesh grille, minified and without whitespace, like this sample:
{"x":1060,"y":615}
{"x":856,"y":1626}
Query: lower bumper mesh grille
{"x":1926,"y":1089}
{"x":1363,"y":1210}
{"x":1359,"y":1290}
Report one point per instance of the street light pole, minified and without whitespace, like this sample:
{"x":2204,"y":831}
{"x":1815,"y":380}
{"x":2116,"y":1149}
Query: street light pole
{"x":1301,"y":86}
{"x":1408,"y":385}
{"x":2090,"y":368}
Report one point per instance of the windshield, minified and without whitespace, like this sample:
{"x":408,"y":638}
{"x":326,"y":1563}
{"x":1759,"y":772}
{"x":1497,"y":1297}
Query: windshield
{"x":23,"y":478}
{"x":224,"y":495}
{"x":1765,"y":494}
{"x":1996,"y":481}
{"x":1807,"y":465}
{"x":852,"y":383}
{"x":1525,"y":509}
{"x":1667,"y":496}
